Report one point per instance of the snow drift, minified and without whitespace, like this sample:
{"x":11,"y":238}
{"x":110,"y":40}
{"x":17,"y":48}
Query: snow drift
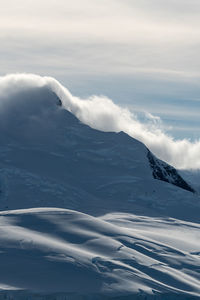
{"x":59,"y":251}
{"x":100,"y":113}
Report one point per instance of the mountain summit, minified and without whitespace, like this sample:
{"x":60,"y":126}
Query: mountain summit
{"x":49,"y":158}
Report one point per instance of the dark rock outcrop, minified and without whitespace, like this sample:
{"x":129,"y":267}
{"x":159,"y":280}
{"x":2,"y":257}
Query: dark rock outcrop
{"x":165,"y":172}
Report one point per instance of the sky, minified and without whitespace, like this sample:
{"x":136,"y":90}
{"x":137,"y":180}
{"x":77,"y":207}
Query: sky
{"x":144,"y":54}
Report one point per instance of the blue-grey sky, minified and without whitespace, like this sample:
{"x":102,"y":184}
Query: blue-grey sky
{"x":142,"y":54}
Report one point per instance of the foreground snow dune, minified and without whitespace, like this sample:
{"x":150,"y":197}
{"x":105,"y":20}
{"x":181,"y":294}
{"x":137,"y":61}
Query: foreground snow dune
{"x":70,"y":255}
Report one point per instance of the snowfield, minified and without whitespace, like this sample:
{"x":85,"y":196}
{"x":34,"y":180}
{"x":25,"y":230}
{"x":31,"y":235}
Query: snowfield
{"x":87,"y":214}
{"x":53,"y":251}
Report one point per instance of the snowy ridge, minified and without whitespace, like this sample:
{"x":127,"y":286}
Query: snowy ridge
{"x":101,"y":113}
{"x":55,"y":251}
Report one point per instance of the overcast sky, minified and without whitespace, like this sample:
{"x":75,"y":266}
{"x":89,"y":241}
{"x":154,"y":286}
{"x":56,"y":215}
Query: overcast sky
{"x":144,"y":54}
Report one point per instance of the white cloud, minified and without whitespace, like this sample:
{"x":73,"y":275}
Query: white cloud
{"x":102,"y":113}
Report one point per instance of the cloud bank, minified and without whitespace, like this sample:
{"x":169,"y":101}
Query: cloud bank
{"x":102,"y":113}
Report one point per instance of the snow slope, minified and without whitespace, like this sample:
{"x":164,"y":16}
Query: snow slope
{"x":122,"y":223}
{"x":64,"y":252}
{"x":49,"y":158}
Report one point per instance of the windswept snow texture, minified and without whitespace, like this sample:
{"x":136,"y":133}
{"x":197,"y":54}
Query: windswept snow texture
{"x":56,"y":251}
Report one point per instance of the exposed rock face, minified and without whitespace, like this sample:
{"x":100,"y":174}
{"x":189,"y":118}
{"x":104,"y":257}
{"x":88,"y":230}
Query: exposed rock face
{"x":165,"y":172}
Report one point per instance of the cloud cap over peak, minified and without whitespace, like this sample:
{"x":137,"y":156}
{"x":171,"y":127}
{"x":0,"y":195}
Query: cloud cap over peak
{"x":99,"y":112}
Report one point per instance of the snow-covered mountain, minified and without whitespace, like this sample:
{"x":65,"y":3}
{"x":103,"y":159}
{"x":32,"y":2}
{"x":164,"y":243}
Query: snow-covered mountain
{"x":109,"y":231}
{"x":49,"y":158}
